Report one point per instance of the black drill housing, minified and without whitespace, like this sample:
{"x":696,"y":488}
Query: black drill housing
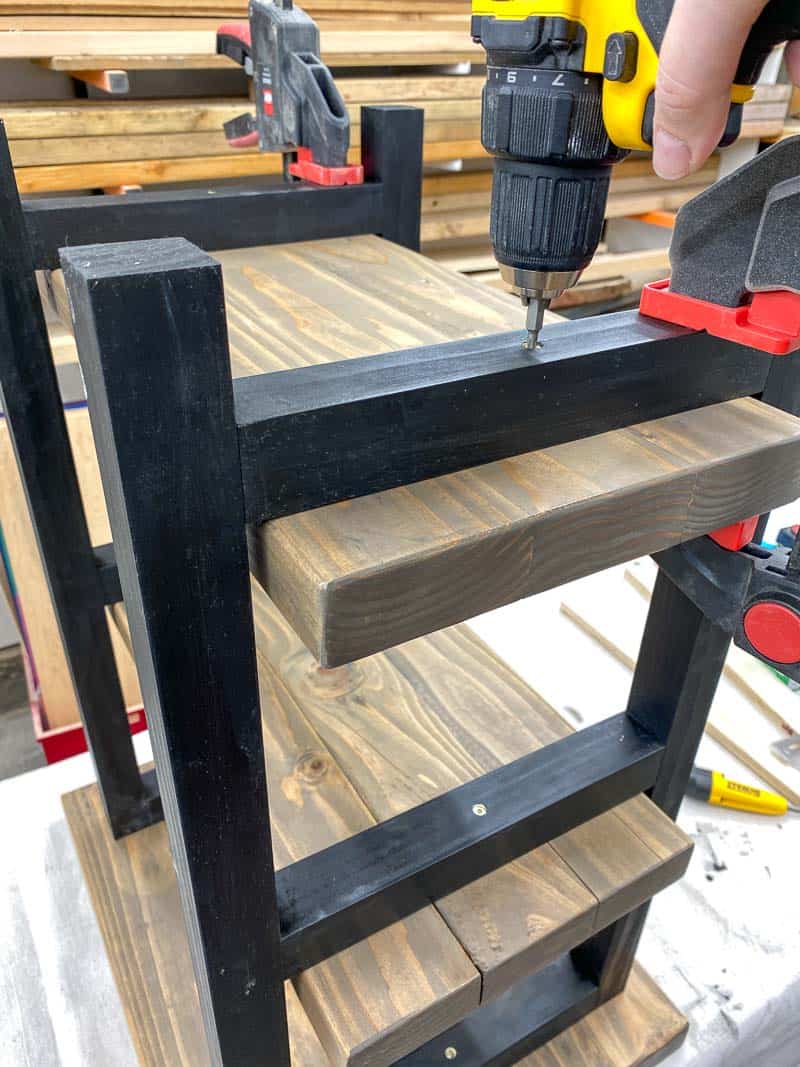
{"x":542,"y":120}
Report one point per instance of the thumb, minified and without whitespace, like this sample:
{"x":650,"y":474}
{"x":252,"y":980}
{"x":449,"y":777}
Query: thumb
{"x":697,"y":65}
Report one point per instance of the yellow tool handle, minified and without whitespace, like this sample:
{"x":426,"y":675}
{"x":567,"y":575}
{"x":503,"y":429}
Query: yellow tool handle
{"x":728,"y":794}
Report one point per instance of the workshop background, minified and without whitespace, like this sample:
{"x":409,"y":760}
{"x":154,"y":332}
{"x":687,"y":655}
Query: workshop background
{"x":109,"y":96}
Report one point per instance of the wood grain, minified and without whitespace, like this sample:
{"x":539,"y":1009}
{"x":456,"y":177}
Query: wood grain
{"x":370,"y":1003}
{"x":415,"y":722}
{"x":368,"y":574}
{"x":135,"y":897}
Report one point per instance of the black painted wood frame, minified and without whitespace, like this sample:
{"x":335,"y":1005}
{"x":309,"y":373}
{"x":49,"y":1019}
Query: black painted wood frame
{"x":168,"y":431}
{"x":82,"y":580}
{"x":168,"y":435}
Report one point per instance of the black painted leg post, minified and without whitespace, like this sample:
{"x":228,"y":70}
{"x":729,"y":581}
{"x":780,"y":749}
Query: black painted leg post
{"x":391,"y":148}
{"x":677,"y":673}
{"x":151,"y":332}
{"x":32,"y":405}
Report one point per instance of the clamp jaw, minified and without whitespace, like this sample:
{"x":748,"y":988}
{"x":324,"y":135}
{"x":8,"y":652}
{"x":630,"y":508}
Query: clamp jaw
{"x":735,"y":271}
{"x":752,"y":593}
{"x":298,"y":107}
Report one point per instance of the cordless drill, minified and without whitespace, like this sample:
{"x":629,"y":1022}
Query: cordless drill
{"x":570,"y":91}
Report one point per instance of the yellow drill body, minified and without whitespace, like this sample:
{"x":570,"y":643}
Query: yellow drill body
{"x":624,"y":102}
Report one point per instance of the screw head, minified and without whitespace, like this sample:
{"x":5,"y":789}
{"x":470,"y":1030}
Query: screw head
{"x":479,"y":809}
{"x":450,"y":1053}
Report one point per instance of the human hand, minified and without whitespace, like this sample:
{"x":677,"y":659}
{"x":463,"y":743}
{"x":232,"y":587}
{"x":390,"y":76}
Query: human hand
{"x":701,"y":51}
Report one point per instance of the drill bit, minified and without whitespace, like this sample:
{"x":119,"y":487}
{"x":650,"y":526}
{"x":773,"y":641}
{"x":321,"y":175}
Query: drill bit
{"x":536,"y":305}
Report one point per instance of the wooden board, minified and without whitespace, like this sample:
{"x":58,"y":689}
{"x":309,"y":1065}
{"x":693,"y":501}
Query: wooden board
{"x":370,"y":1003}
{"x":420,"y":720}
{"x":735,"y":722}
{"x":31,"y":36}
{"x":367,"y":574}
{"x":135,"y":897}
{"x":409,"y":725}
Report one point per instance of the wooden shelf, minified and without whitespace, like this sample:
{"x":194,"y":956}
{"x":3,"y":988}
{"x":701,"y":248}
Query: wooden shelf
{"x":135,"y":896}
{"x":364,"y":575}
{"x":353,"y":746}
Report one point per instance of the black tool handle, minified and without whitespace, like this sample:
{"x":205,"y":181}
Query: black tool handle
{"x":779,"y":22}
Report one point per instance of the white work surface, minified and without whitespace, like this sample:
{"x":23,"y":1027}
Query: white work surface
{"x":726,"y":950}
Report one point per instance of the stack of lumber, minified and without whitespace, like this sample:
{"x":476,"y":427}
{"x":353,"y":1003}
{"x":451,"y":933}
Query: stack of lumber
{"x":417,"y":52}
{"x":75,"y":144}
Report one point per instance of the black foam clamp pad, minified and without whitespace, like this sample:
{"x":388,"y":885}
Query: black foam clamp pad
{"x":715,"y":234}
{"x":775,"y":263}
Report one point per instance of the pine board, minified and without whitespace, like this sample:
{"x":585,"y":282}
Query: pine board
{"x":135,"y":897}
{"x":368,"y":574}
{"x":402,"y":728}
{"x":422,"y":719}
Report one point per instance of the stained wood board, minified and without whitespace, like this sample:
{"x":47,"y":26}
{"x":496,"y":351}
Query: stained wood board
{"x":367,"y":574}
{"x":370,"y":1004}
{"x":413,"y":723}
{"x":407,"y":726}
{"x":735,"y":722}
{"x":135,"y":896}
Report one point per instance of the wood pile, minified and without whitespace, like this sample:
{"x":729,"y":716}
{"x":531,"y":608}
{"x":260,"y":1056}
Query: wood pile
{"x":383,"y":51}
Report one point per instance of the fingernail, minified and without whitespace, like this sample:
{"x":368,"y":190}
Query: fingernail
{"x":671,"y":156}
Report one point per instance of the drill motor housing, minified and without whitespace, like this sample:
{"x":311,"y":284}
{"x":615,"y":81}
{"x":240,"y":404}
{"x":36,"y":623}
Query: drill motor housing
{"x":542,"y":120}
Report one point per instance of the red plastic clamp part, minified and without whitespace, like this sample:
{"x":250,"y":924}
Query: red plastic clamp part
{"x":309,"y":171}
{"x":240,"y":31}
{"x":736,"y":536}
{"x":771,"y":323}
{"x":774,"y":631}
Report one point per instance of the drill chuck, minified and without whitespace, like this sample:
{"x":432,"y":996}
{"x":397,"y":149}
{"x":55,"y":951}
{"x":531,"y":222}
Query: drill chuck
{"x":542,"y":120}
{"x":552,"y":167}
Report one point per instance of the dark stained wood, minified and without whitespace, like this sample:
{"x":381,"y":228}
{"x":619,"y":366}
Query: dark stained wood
{"x":406,"y":726}
{"x":135,"y":896}
{"x":367,"y":574}
{"x":412,"y":723}
{"x":638,"y":1029}
{"x":370,"y":1003}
